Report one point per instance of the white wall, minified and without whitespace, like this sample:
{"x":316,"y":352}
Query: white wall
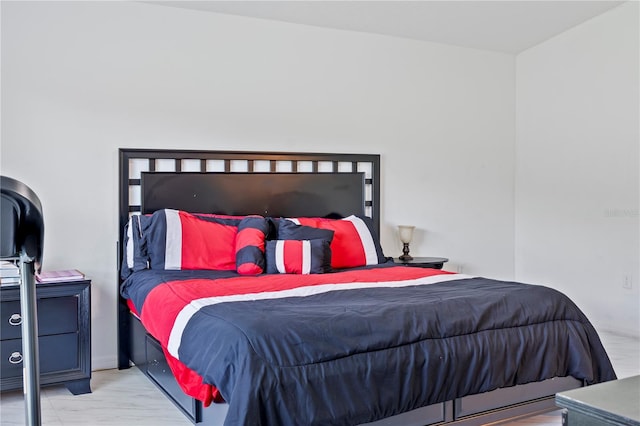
{"x":577,"y":167}
{"x":81,"y":79}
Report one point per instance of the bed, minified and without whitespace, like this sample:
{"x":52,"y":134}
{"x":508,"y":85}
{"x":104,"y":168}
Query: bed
{"x":295,"y":316}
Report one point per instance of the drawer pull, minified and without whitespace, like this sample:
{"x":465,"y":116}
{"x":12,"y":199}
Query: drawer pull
{"x":15,"y":358}
{"x":15,"y":319}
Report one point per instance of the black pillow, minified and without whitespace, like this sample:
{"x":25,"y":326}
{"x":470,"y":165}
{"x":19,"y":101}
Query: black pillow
{"x":288,"y":230}
{"x":298,"y":256}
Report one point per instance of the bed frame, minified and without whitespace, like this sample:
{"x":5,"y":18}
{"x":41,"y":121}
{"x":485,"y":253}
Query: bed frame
{"x":192,"y":171}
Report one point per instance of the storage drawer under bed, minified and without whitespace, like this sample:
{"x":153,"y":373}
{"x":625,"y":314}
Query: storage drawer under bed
{"x":158,"y":369}
{"x":499,"y":398}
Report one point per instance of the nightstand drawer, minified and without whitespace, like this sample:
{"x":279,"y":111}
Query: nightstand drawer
{"x":56,"y":315}
{"x":57,"y":353}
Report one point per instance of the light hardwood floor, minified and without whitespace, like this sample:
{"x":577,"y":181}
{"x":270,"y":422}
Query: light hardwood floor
{"x":128,"y":398}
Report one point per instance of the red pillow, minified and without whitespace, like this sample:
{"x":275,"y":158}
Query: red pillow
{"x":252,"y":231}
{"x":354,"y":243}
{"x":180,"y":240}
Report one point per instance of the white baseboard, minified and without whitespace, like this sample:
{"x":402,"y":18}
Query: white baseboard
{"x":106,"y":362}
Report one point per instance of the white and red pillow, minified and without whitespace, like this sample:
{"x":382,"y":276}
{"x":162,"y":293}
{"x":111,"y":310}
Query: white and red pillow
{"x":180,"y":240}
{"x":174,"y":239}
{"x":354,"y":242}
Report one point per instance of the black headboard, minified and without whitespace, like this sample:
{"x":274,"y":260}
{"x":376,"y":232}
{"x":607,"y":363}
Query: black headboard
{"x":266,"y":194}
{"x":280,"y":183}
{"x":189,"y":167}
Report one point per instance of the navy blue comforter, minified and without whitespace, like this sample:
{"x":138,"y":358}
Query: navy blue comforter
{"x":353,"y":355}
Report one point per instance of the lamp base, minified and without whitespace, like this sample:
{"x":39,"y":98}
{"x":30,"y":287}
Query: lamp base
{"x":405,"y":253}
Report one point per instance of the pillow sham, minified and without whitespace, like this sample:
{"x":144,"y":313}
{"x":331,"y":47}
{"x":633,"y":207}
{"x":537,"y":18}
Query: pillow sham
{"x":288,"y":229}
{"x":355,"y":242}
{"x":134,"y":256}
{"x":179,"y":240}
{"x":298,"y":256}
{"x":252,"y":231}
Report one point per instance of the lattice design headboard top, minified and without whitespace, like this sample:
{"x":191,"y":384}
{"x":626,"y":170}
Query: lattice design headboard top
{"x":135,"y":162}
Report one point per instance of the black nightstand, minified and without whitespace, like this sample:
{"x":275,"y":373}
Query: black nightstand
{"x":423,"y":262}
{"x":64,"y":335}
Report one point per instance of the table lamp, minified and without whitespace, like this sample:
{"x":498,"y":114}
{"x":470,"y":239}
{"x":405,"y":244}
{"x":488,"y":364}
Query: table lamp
{"x":406,"y":234}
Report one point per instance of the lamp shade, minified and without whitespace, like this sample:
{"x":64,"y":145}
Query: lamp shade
{"x":406,"y":233}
